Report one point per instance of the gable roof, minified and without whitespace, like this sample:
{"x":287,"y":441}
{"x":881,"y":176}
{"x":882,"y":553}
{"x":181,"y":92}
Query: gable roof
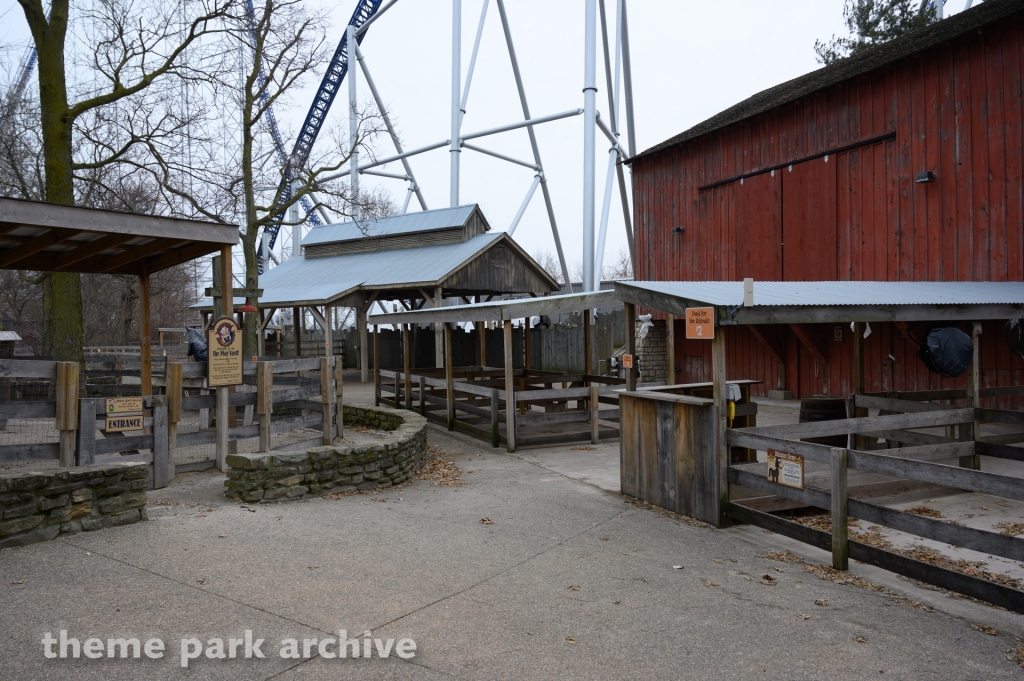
{"x":859,"y":64}
{"x":426,"y":221}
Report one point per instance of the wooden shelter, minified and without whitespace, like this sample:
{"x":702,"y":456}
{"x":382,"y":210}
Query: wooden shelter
{"x":903,"y":162}
{"x":46,"y":237}
{"x":416,"y":260}
{"x":528,"y":397}
{"x":678,"y":451}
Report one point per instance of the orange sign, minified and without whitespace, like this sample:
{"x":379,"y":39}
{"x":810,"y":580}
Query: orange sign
{"x":700,"y":323}
{"x":627,"y":361}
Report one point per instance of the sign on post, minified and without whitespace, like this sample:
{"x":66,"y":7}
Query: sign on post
{"x":700,"y":323}
{"x":123,"y":405}
{"x":785,"y":468}
{"x":627,"y":361}
{"x":224,"y":354}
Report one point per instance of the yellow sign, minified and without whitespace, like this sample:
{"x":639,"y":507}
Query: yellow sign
{"x":700,"y":323}
{"x":123,"y":405}
{"x":121,"y":423}
{"x":785,"y":468}
{"x":224,"y":353}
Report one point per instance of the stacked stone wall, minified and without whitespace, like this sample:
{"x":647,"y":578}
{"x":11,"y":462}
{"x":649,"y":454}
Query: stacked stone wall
{"x":651,"y":353}
{"x":40,"y":505}
{"x":317,"y":471}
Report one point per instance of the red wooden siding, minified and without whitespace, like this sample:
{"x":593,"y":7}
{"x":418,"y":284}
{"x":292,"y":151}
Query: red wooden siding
{"x":955,"y":110}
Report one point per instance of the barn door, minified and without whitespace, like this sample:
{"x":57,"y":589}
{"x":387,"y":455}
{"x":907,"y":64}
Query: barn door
{"x":809,"y":227}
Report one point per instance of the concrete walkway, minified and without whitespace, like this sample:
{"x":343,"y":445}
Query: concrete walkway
{"x":565,"y":581}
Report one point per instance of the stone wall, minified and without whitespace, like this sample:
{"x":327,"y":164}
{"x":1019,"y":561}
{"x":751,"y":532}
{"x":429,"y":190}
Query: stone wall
{"x":40,"y":505}
{"x":325,"y":470}
{"x":650,"y":353}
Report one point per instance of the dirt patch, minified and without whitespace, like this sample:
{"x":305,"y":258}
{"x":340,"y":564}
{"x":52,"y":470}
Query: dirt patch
{"x":782,"y":556}
{"x":439,"y":470}
{"x":1010,"y":529}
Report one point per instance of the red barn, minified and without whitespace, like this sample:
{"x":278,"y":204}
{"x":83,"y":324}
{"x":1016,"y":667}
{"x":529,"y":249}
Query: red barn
{"x":902,"y":163}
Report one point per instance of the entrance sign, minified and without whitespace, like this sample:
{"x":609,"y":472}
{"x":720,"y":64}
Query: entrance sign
{"x":224,"y":354}
{"x":123,"y":405}
{"x":700,"y":323}
{"x":785,"y":468}
{"x":116,"y":424}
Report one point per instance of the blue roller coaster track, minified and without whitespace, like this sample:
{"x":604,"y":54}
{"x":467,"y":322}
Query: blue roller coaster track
{"x":328,"y":90}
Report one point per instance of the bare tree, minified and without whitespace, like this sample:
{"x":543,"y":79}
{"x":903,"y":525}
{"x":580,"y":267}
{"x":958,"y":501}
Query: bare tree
{"x":550,"y":264}
{"x":136,"y":45}
{"x":620,"y":268}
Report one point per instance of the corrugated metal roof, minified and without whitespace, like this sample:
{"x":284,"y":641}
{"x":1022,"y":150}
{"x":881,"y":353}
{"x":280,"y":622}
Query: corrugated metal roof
{"x":830,"y":293}
{"x":441,"y":218}
{"x":9,"y":336}
{"x":320,"y":280}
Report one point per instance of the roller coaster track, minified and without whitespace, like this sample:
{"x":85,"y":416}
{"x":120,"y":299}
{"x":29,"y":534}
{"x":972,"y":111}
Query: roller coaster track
{"x":328,"y":90}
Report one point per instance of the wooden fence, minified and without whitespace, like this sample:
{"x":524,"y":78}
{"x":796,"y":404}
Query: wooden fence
{"x":910,"y":455}
{"x":305,"y":393}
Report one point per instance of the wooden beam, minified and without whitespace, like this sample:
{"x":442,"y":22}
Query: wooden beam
{"x":297,"y":328}
{"x":177,"y":256}
{"x":376,"y":365}
{"x":811,"y":341}
{"x":840,"y":527}
{"x":510,"y":407}
{"x":55,"y":236}
{"x":770,"y":345}
{"x":145,"y":351}
{"x":89,"y":249}
{"x":586,"y":343}
{"x":132,"y":254}
{"x":406,"y":365}
{"x":438,"y":301}
{"x":720,"y":395}
{"x":670,"y":348}
{"x":449,"y":378}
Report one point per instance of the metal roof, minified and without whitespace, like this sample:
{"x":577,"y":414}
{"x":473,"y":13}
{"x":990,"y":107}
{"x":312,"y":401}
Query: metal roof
{"x":441,"y":218}
{"x":9,"y":336}
{"x":319,"y":281}
{"x":501,"y":310}
{"x":828,"y":301}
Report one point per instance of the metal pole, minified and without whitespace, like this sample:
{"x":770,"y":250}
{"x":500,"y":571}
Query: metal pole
{"x":391,"y":129}
{"x":605,"y":210}
{"x":456,"y":98}
{"x":472,"y":60}
{"x":627,"y":82}
{"x":589,"y":128}
{"x":293,"y":217}
{"x":613,"y":103}
{"x":533,"y":142}
{"x":353,"y":125}
{"x":522,"y":209}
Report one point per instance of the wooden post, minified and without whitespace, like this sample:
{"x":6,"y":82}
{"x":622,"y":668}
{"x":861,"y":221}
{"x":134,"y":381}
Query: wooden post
{"x":670,"y":349}
{"x":528,"y":356}
{"x":260,"y":341}
{"x":495,"y":418}
{"x":364,"y":350}
{"x":510,"y":388}
{"x":297,"y":326}
{"x":85,"y":449}
{"x":449,"y":375}
{"x":174,"y":394}
{"x":629,"y":313}
{"x":594,"y":407}
{"x":438,"y":331}
{"x":328,"y":331}
{"x":145,"y":351}
{"x":720,"y":394}
{"x":587,"y":365}
{"x":397,"y":401}
{"x":423,"y":395}
{"x":855,"y":441}
{"x":840,"y":529}
{"x":265,"y":401}
{"x":67,"y":410}
{"x":376,"y":365}
{"x":482,"y":338}
{"x":225,"y":415}
{"x":406,"y":365}
{"x":327,"y":396}
{"x":339,"y":392}
{"x":161,"y":472}
{"x":973,"y":431}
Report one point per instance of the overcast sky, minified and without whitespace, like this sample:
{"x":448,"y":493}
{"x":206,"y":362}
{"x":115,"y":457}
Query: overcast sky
{"x":691,"y":59}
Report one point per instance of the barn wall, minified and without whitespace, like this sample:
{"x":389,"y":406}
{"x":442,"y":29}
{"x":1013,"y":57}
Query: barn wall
{"x":955,"y":109}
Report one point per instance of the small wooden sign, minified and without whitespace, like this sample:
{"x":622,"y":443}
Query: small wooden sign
{"x":224,"y":354}
{"x":627,"y":361}
{"x":123,"y":405}
{"x":116,"y":424}
{"x":700,"y":323}
{"x":785,"y":468}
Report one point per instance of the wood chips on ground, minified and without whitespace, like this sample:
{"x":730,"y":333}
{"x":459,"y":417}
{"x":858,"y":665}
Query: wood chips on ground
{"x":1010,"y":529}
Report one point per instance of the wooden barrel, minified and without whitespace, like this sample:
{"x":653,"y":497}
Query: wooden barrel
{"x":823,"y":408}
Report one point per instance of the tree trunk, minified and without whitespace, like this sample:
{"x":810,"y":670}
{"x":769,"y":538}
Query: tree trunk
{"x":62,"y":291}
{"x":250,"y":335}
